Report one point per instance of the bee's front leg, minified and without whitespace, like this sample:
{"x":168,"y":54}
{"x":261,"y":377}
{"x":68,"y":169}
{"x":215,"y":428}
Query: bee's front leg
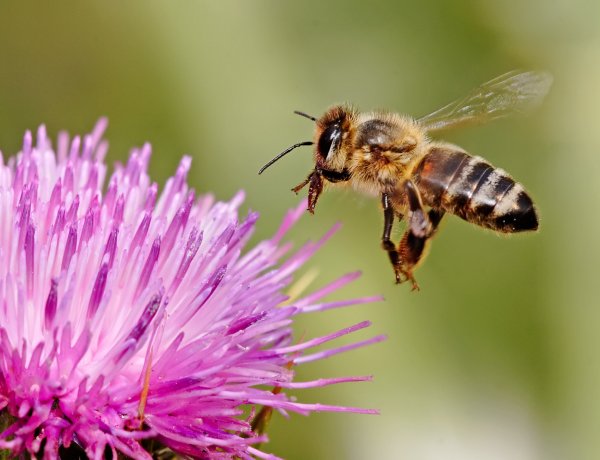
{"x":302,"y":184}
{"x":315,"y":187}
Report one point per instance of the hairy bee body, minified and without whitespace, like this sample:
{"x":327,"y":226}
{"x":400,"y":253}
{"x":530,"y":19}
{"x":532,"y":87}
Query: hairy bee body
{"x":391,"y":156}
{"x":386,"y":149}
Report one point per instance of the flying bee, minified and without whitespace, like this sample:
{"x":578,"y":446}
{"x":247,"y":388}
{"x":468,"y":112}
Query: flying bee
{"x":392,"y":157}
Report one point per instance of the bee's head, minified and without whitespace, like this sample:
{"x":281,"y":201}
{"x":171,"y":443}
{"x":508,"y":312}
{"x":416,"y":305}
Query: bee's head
{"x":329,"y":138}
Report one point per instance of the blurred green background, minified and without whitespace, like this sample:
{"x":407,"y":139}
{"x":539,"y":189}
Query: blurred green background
{"x":497,"y":356}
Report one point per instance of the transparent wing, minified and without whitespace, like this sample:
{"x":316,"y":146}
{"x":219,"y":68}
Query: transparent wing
{"x":513,"y":92}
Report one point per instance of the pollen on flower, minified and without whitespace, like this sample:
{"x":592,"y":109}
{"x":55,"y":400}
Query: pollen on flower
{"x":129,"y":315}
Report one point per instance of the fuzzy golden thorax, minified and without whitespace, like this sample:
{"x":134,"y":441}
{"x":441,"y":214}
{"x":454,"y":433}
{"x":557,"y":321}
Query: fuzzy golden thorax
{"x":377,"y":149}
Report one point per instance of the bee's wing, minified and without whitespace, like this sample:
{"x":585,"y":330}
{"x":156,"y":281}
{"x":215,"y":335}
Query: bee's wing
{"x":513,"y":92}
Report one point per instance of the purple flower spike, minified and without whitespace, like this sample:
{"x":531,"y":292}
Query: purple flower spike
{"x":133,"y":320}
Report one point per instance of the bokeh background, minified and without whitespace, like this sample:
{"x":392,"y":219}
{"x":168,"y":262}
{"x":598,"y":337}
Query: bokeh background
{"x":497,"y":356}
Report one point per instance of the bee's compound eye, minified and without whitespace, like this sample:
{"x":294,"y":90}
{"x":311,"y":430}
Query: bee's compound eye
{"x":330,"y":137}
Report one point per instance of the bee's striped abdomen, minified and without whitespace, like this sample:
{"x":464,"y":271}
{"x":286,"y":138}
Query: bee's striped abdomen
{"x":471,"y":188}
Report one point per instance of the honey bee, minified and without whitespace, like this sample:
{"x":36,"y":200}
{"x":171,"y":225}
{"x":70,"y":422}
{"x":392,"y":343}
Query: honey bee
{"x":391,"y":156}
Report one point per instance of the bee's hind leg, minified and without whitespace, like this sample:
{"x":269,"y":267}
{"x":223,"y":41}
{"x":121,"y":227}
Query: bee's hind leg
{"x":421,"y":227}
{"x":412,"y":248}
{"x":410,"y":251}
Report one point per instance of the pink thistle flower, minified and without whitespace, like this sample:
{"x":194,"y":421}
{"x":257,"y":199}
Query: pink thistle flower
{"x":128,"y":316}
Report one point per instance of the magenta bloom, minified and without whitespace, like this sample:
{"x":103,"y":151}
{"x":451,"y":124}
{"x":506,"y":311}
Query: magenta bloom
{"x":128,"y":316}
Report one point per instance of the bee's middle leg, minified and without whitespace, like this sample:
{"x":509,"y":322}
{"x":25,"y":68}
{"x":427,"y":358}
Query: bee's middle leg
{"x":386,"y":243}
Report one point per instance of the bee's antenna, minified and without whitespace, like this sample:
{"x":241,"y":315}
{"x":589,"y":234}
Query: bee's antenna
{"x":285,"y":152}
{"x":305,"y":115}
